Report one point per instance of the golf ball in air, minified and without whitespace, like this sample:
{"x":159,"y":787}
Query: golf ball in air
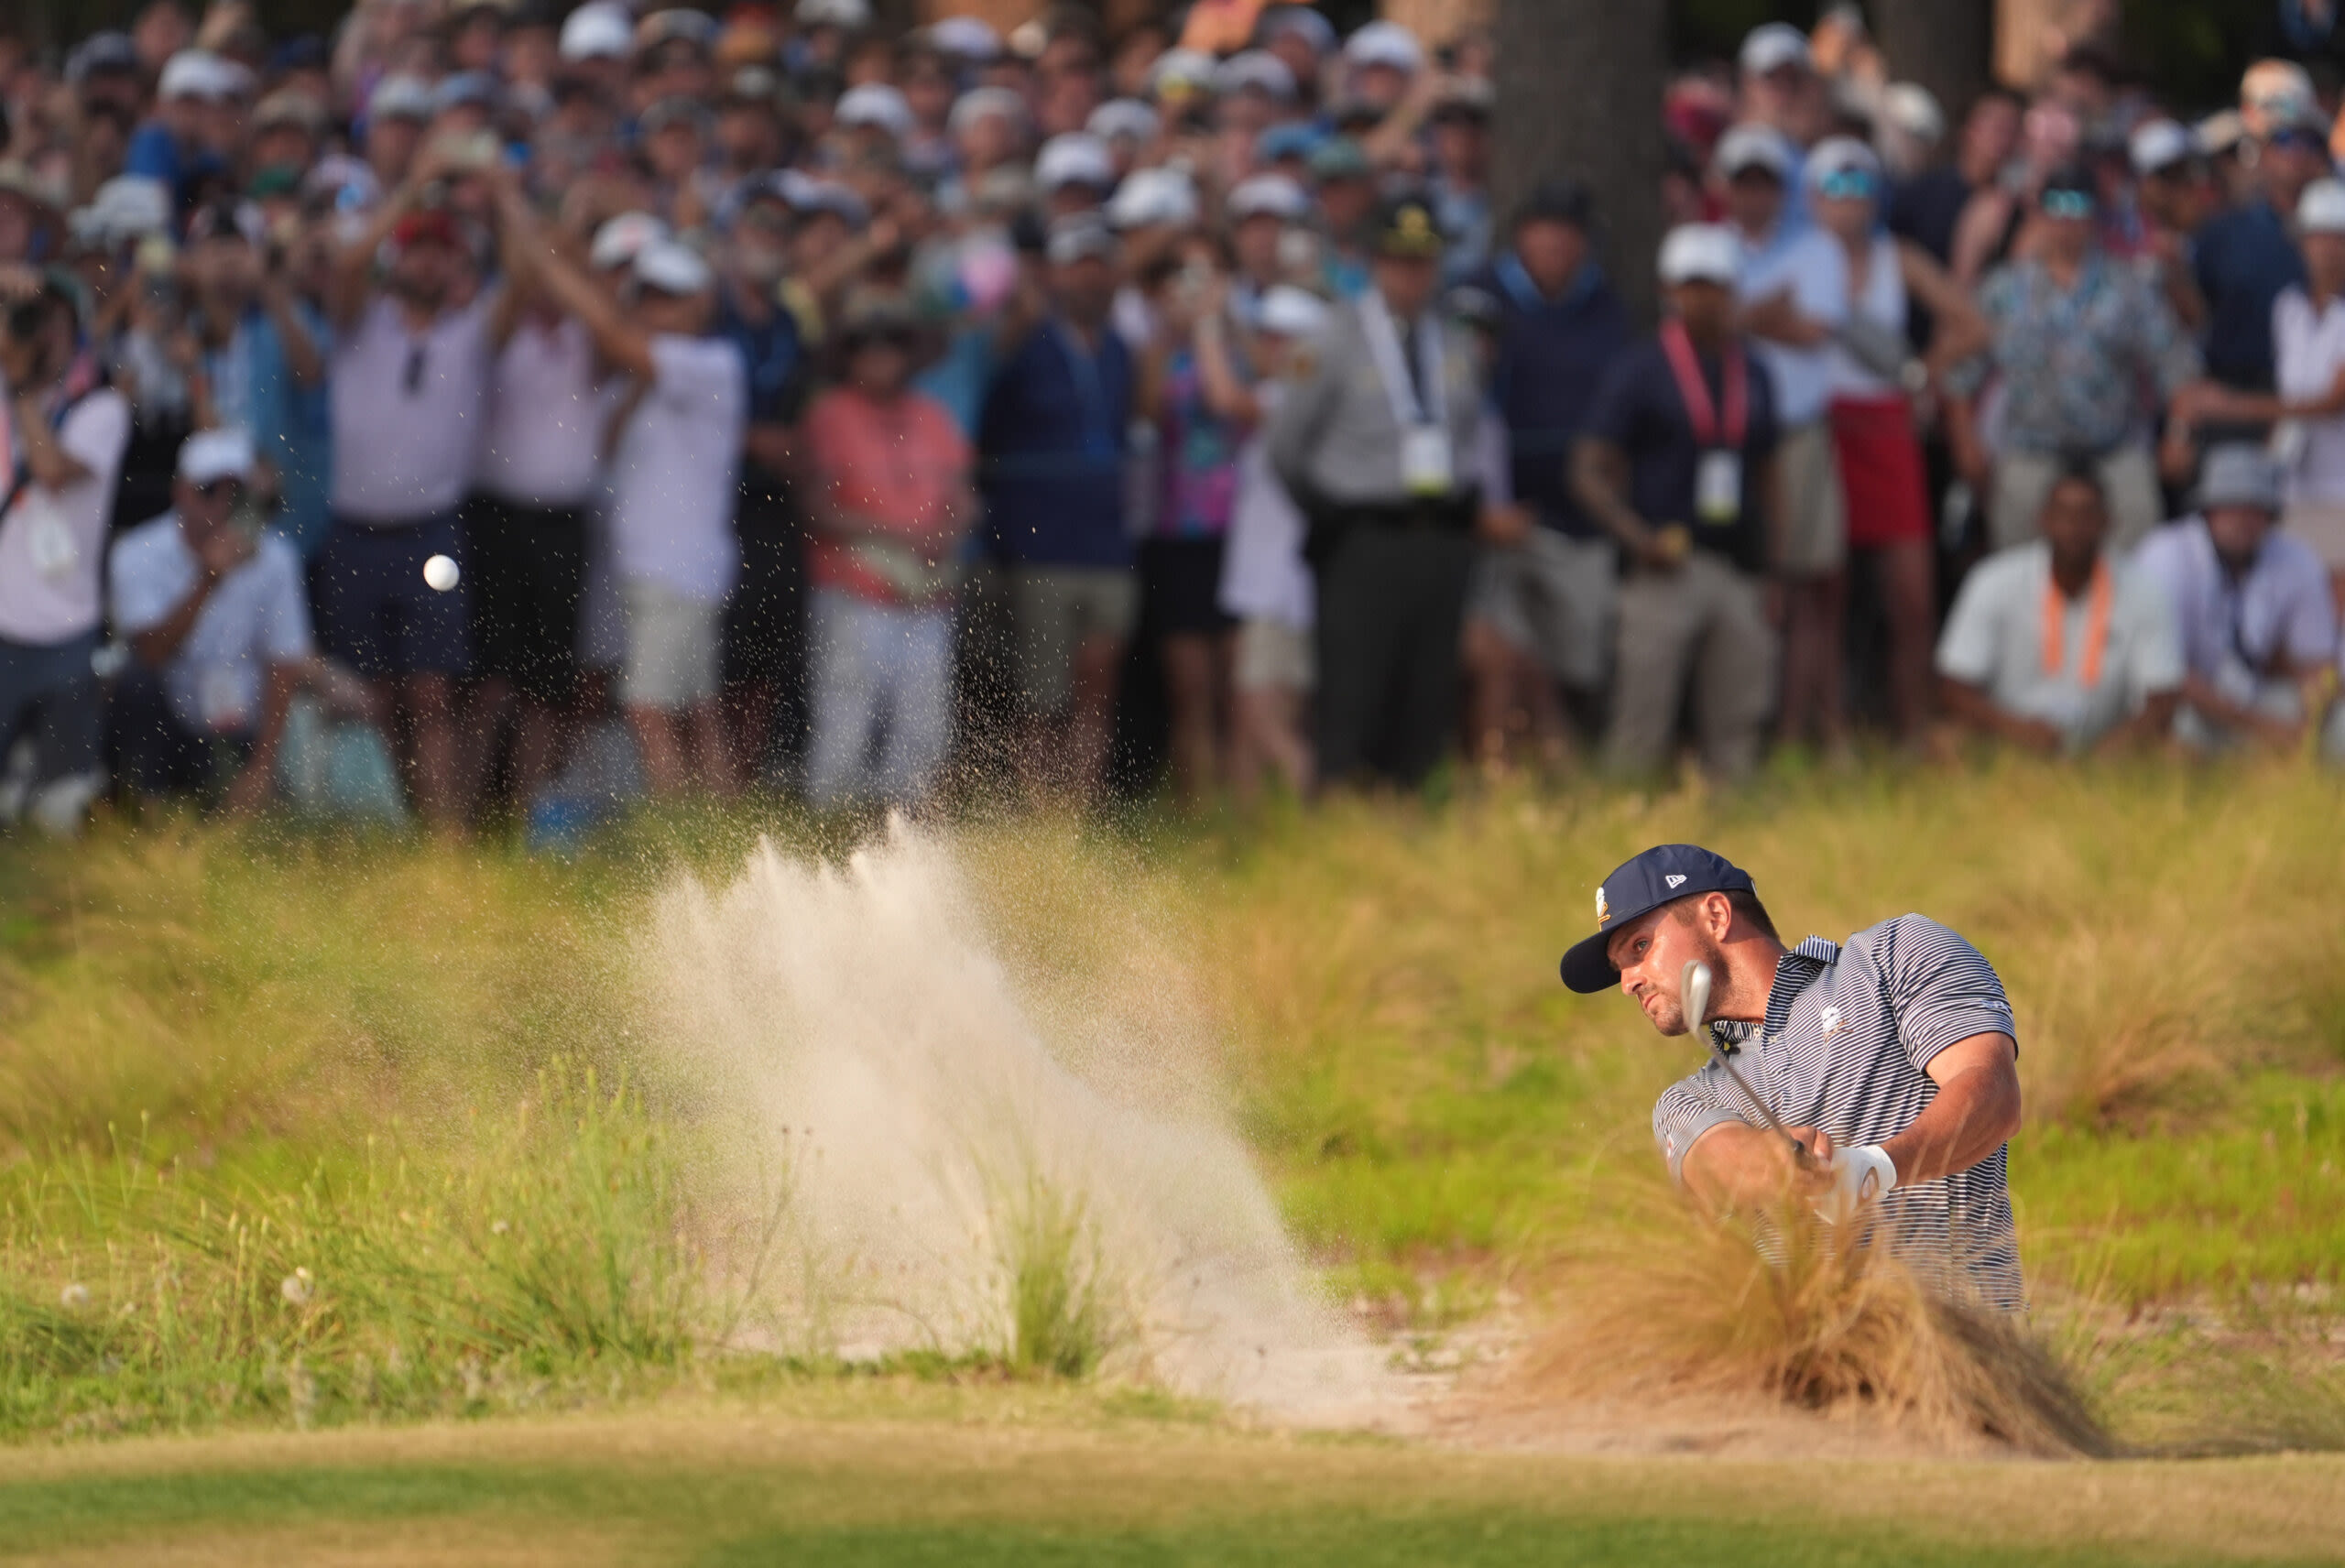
{"x":440,"y":572}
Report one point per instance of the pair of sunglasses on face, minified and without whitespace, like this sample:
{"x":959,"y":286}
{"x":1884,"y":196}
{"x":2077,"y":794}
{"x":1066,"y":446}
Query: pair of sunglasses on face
{"x":2066,"y":204}
{"x":1849,"y":185}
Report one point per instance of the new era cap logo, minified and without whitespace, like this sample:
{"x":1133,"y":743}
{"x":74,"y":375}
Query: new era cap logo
{"x":1673,"y":879}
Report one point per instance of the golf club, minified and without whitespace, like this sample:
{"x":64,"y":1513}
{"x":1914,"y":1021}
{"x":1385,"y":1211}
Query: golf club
{"x":1693,"y":995}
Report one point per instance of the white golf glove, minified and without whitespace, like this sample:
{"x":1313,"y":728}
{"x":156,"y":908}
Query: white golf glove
{"x":1860,"y":1176}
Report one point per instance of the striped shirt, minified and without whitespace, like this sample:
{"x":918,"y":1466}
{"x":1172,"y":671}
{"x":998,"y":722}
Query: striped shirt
{"x":1848,"y":1033}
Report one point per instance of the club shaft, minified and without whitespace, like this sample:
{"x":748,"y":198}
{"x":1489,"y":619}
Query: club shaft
{"x":1766,"y":1112}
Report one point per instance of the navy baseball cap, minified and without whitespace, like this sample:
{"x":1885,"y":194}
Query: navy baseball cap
{"x":1661,"y":875}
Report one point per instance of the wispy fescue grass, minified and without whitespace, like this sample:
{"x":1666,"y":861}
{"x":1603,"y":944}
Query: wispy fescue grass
{"x":1061,"y":1317}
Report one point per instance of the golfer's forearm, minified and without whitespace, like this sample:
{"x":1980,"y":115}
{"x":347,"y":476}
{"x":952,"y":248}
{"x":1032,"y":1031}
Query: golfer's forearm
{"x":1974,"y":1114}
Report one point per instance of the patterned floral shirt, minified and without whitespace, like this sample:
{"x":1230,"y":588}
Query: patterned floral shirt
{"x":2080,"y":366}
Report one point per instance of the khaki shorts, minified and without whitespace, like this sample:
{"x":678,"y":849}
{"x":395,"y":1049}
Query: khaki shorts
{"x":1700,"y":630}
{"x":2321,"y":524}
{"x":2129,"y":478}
{"x":1055,"y":610}
{"x":1274,"y":657}
{"x":1815,"y":520}
{"x":1553,"y":597}
{"x":670,"y":647}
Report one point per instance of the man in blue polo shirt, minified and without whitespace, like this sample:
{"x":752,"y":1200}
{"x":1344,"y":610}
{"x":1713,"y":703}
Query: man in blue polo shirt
{"x":2245,"y":257}
{"x":1051,"y":440}
{"x":1891,"y":1057}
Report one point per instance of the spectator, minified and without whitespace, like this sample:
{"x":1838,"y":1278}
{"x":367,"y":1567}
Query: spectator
{"x":2173,"y":187}
{"x":66,"y":431}
{"x":1678,"y":462}
{"x":1927,"y":207}
{"x":1344,"y":186}
{"x":2054,"y":648}
{"x":1375,"y":441}
{"x":1795,"y":293}
{"x":2257,"y":624}
{"x":1781,"y":89}
{"x":1053,"y":438}
{"x":1878,"y":457}
{"x":408,"y":378}
{"x":219,"y":627}
{"x":675,"y":470}
{"x":182,"y":145}
{"x":1265,"y":582}
{"x":2076,"y":339}
{"x":1548,"y":600}
{"x":2244,"y":256}
{"x":890,"y":501}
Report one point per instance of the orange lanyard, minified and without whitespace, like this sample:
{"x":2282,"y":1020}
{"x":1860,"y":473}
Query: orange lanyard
{"x":2055,"y":622}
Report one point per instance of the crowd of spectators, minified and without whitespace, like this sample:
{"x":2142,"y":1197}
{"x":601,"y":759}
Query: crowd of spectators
{"x":501,"y":406}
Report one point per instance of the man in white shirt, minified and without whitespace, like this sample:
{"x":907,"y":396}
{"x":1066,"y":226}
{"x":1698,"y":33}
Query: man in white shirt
{"x":408,"y":380}
{"x":215,"y":612}
{"x":2053,"y":646}
{"x":61,"y":442}
{"x":2251,"y":606}
{"x":1794,"y":289}
{"x":675,"y":474}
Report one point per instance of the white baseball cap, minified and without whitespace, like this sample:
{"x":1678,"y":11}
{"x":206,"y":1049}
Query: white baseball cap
{"x":127,"y":207}
{"x":1838,"y":155}
{"x":851,"y":14}
{"x":876,"y":105}
{"x":1122,"y":117}
{"x":1291,"y":312}
{"x":1256,"y":69}
{"x":1914,"y":109}
{"x":1772,"y":46}
{"x":969,"y":38}
{"x":209,"y":456}
{"x":2161,"y":144}
{"x":1754,"y":146}
{"x":1149,"y":197}
{"x":672,"y":267}
{"x":1700,"y":252}
{"x":980,"y":102}
{"x":1078,"y":236}
{"x":621,"y":239}
{"x":399,"y":98}
{"x":1385,"y":43}
{"x":1273,"y":195}
{"x":597,"y":30}
{"x":1073,"y":157}
{"x":1180,"y":68}
{"x":200,"y":73}
{"x":2321,"y":209}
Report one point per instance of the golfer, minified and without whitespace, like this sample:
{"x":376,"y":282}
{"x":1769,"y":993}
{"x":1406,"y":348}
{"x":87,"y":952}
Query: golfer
{"x":1889,"y":1057}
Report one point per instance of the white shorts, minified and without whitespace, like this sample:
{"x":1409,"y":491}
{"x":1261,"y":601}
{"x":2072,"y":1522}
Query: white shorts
{"x":670,"y":647}
{"x":1273,"y":656}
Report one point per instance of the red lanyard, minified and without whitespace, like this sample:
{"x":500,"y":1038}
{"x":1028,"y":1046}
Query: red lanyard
{"x":2056,"y":651}
{"x":1696,"y":392}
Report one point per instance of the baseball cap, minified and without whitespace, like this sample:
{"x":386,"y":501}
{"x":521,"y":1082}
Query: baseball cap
{"x":697,"y":29}
{"x":1700,"y":252}
{"x":672,"y":267}
{"x":597,"y":31}
{"x":200,"y":73}
{"x":851,"y":14}
{"x":1179,"y":71}
{"x":2221,"y":132}
{"x":1385,"y":43}
{"x":426,"y":225}
{"x":1077,"y":236}
{"x":1405,"y":228}
{"x":1771,"y":47}
{"x":102,"y":54}
{"x":1122,"y":117}
{"x":1839,"y":156}
{"x":1299,"y":138}
{"x":980,"y":102}
{"x":1472,"y":98}
{"x":674,"y":109}
{"x":466,"y":89}
{"x":2321,"y":209}
{"x":621,"y":239}
{"x":1642,"y":884}
{"x":1271,"y":195}
{"x":1754,"y":146}
{"x":1914,"y":109}
{"x":130,"y":206}
{"x":209,"y":456}
{"x":1559,"y":199}
{"x":1150,"y":196}
{"x":1302,"y":21}
{"x":2239,"y":474}
{"x":1073,"y":157}
{"x":401,"y":98}
{"x":2160,"y":145}
{"x":1257,"y":71}
{"x":2274,"y":92}
{"x":1290,"y":312}
{"x":1339,"y":157}
{"x":290,"y":106}
{"x":876,"y":105}
{"x":965,"y":38}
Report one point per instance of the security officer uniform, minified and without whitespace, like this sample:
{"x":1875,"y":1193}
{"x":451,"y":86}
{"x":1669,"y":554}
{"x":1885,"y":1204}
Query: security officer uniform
{"x":1377,"y":440}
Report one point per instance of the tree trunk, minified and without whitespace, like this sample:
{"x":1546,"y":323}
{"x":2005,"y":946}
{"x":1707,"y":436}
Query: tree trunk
{"x":1944,"y":45}
{"x":1579,"y":85}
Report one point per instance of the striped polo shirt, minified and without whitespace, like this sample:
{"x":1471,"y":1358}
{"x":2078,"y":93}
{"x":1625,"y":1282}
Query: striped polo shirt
{"x":1850,"y":1029}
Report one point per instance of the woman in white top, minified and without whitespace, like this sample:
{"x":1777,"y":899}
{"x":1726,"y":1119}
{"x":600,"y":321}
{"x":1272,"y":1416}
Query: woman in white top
{"x":2309,"y":367}
{"x":1873,"y":418}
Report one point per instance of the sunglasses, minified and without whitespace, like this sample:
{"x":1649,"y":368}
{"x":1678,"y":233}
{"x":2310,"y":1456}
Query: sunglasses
{"x":1847,"y":185}
{"x":214,"y":489}
{"x":2066,"y":204}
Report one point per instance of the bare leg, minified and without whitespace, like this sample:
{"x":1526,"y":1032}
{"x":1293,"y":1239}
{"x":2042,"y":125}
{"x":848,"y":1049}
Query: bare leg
{"x":1095,"y":662}
{"x":1191,"y":675}
{"x":536,"y":750}
{"x":704,"y":723}
{"x":1490,"y":705}
{"x":429,"y":700}
{"x":748,"y":711}
{"x":1811,"y":704}
{"x":493,"y":702}
{"x":1909,"y":598}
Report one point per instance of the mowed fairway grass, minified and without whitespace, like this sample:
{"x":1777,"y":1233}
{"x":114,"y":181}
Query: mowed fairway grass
{"x":362,"y":1137}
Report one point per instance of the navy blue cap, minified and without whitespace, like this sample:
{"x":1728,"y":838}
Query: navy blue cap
{"x":1661,"y":875}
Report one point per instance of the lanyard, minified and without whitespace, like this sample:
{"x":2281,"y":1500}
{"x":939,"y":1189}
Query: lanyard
{"x":1384,"y":348}
{"x":2102,"y":594}
{"x":1099,"y":435}
{"x":1696,"y":392}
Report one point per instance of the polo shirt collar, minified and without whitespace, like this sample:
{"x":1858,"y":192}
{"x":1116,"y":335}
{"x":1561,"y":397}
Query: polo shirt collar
{"x":1794,"y":973}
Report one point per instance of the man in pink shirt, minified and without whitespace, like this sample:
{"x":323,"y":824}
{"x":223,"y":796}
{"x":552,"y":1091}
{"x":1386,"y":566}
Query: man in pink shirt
{"x":888,"y":505}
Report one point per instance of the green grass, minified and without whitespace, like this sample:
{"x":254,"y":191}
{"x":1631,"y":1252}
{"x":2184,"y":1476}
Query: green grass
{"x":228,"y":1055}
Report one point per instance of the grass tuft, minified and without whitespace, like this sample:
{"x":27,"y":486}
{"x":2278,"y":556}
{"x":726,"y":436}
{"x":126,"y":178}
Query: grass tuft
{"x":1060,"y":1319}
